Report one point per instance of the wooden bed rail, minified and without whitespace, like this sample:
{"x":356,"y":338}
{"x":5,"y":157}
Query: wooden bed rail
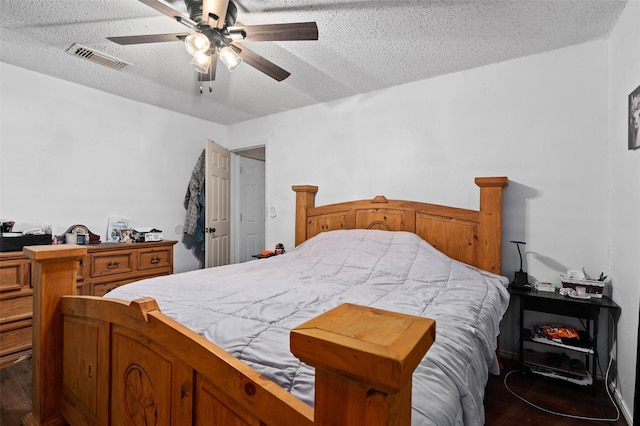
{"x":100,"y":361}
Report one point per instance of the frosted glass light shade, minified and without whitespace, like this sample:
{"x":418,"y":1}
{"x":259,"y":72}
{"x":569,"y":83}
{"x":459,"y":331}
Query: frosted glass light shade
{"x":230,"y":58}
{"x":195,"y":43}
{"x":201,"y":62}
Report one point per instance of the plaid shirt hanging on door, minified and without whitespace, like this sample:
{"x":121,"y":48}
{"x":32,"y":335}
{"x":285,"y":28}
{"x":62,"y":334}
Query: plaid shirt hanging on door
{"x":192,"y":197}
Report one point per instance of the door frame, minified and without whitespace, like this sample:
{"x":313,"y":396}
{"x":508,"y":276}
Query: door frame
{"x":235,"y":197}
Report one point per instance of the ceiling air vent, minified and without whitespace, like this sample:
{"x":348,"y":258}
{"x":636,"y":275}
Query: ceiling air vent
{"x":95,"y":56}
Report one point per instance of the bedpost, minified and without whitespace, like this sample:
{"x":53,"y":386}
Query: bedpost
{"x":364,"y":360}
{"x":305,"y":199}
{"x":54,"y":276}
{"x":490,"y":228}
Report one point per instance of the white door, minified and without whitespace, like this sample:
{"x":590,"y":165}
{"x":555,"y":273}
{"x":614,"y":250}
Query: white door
{"x":217,"y":225}
{"x":252,"y":226}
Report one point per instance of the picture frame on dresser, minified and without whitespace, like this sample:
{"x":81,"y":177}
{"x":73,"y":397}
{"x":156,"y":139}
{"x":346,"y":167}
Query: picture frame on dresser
{"x":115,"y":225}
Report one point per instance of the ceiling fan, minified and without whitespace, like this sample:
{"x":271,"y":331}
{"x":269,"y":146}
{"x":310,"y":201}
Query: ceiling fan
{"x":216,"y":35}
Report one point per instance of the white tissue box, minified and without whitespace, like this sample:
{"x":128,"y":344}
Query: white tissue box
{"x":541,"y":286}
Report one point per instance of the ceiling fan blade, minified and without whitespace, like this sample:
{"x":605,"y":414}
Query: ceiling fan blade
{"x":149,"y":38}
{"x":260,"y":63}
{"x":214,"y":12}
{"x":277,"y":32}
{"x":170,"y":12}
{"x":211,"y":75}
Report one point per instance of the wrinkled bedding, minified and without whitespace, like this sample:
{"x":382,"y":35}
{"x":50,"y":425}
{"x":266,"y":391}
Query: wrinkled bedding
{"x":249,"y":309}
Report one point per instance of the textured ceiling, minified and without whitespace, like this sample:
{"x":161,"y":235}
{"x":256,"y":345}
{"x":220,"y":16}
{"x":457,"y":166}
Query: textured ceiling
{"x":364,"y":45}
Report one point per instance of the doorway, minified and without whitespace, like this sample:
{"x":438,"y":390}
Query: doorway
{"x":249,"y":216}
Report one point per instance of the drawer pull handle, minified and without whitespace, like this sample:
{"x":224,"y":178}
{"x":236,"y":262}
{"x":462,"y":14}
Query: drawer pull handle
{"x":155,"y":260}
{"x":113,"y":265}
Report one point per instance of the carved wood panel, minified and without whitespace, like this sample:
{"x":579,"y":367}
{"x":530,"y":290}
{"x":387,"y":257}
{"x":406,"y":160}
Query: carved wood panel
{"x":140,"y":402}
{"x":329,"y":222}
{"x":214,"y":408}
{"x":141,"y":383}
{"x":456,"y":238}
{"x":80,"y":363}
{"x":384,"y":219}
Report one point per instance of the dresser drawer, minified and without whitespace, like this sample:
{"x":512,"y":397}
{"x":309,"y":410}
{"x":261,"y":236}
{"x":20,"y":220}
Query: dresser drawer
{"x":154,"y":259}
{"x":15,"y":338}
{"x":16,"y":308}
{"x":102,"y":289}
{"x":111,"y":264}
{"x":15,"y":275}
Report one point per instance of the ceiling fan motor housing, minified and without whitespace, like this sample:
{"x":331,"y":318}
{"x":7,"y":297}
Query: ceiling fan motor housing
{"x":195,"y":12}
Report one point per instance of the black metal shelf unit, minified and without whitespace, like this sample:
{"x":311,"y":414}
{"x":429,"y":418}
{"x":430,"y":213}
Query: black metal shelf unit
{"x":559,"y":366}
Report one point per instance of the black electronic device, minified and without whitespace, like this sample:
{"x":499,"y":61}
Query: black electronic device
{"x":520,"y":279}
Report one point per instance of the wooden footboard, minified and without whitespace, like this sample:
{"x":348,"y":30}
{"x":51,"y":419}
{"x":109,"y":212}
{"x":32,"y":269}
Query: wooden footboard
{"x":101,"y":362}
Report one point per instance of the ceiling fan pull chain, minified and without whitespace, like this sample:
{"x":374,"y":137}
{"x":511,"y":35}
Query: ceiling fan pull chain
{"x":201,"y":89}
{"x":210,"y":89}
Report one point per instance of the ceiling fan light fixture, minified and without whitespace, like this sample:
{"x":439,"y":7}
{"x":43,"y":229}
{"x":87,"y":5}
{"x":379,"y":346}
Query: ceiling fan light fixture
{"x":201,"y":62}
{"x":196,"y":43}
{"x":230,"y":58}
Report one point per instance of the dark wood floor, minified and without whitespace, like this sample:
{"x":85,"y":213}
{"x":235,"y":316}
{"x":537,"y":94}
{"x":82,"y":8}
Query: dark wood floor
{"x":502,"y":408}
{"x":15,"y":393}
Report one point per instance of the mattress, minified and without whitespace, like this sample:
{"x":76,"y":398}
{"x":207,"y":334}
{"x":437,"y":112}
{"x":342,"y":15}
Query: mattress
{"x":248,"y":309}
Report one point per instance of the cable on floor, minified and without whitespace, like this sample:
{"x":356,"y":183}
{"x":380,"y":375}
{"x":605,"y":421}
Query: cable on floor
{"x":572,"y":416}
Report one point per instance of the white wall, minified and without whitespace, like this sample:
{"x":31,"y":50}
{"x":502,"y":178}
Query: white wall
{"x":75,"y":155}
{"x":535,"y":120}
{"x":624,"y":77}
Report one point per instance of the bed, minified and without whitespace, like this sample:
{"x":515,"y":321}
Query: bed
{"x":333,"y":332}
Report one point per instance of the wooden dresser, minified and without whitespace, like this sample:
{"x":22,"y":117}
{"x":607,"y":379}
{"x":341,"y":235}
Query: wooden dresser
{"x":106,"y":266}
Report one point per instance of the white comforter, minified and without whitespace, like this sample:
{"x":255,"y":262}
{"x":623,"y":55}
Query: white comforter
{"x":249,"y":309}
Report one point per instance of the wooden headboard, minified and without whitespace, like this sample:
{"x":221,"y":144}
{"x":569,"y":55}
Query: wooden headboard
{"x":471,"y":236}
